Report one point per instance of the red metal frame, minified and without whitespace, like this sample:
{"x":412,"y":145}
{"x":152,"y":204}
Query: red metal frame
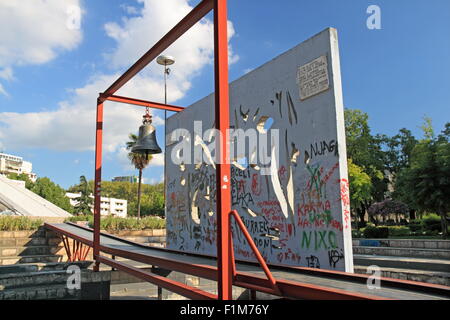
{"x":143,"y":103}
{"x":169,"y":284}
{"x":78,"y":253}
{"x":272,"y":282}
{"x":222,"y":123}
{"x":288,"y":288}
{"x":223,"y":171}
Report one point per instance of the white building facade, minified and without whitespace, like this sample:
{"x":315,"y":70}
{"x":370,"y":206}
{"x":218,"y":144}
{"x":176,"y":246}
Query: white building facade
{"x":108,"y":206}
{"x":14,"y":164}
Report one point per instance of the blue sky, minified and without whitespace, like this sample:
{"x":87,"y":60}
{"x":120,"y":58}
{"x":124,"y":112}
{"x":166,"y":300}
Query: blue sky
{"x":50,"y":74}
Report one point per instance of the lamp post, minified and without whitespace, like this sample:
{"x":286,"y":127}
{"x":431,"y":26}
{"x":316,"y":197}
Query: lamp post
{"x":165,"y":61}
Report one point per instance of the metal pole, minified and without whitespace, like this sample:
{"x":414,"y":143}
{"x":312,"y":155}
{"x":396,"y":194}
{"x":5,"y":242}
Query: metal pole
{"x":97,"y":183}
{"x":165,"y":135}
{"x":223,"y":177}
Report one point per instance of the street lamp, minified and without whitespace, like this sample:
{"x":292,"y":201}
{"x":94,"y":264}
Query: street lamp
{"x":165,"y":61}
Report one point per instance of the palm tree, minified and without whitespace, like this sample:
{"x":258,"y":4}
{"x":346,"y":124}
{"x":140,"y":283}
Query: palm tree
{"x":140,"y":162}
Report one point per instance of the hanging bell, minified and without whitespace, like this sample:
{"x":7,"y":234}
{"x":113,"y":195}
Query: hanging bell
{"x":146,"y":142}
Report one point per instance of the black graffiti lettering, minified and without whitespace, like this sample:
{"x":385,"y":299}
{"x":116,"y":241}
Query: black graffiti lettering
{"x":312,"y":262}
{"x":334,"y":256}
{"x":323,"y":147}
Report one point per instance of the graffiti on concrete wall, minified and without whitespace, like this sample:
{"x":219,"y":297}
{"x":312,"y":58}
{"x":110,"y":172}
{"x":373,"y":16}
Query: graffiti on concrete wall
{"x":288,"y":181}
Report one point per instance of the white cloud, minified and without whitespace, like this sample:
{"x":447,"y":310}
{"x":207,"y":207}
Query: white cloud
{"x":34,"y":32}
{"x":3,"y":91}
{"x":71,"y":126}
{"x":129,"y":9}
{"x":157,"y":160}
{"x":7,"y":73}
{"x":122,"y":159}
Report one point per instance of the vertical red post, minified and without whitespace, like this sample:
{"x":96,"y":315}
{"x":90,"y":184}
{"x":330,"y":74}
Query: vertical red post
{"x":97,"y":182}
{"x":223,"y":177}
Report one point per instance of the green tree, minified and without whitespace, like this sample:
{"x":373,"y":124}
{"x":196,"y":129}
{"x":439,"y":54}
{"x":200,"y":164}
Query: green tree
{"x":84,"y":201}
{"x":52,"y":192}
{"x":22,"y":177}
{"x":397,"y":150}
{"x":364,"y":151}
{"x":139,"y":161}
{"x":360,"y":190}
{"x":426,"y":182}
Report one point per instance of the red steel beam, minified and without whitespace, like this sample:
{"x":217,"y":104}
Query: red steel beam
{"x":288,"y":288}
{"x":144,"y":103}
{"x":169,"y":284}
{"x":98,"y":181}
{"x":184,"y":25}
{"x":223,"y":173}
{"x":259,"y":257}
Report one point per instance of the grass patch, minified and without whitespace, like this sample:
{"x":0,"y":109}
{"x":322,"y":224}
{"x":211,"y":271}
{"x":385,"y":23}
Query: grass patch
{"x":116,"y":224}
{"x":19,"y":223}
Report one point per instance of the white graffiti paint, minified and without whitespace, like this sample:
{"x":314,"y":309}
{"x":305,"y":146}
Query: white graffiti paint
{"x":296,"y":206}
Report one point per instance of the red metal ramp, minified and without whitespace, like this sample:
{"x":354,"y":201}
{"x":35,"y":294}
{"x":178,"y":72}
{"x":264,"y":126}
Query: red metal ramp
{"x":293,"y":283}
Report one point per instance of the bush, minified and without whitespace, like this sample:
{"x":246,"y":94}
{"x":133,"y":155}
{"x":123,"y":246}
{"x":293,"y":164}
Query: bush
{"x":356,"y":234}
{"x":415,"y":225}
{"x":431,"y":222}
{"x":399,"y":231}
{"x":80,"y":218}
{"x":390,"y":222}
{"x":14,"y":223}
{"x":374,"y":232}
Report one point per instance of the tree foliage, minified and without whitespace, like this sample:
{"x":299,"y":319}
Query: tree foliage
{"x":84,"y":201}
{"x":360,"y":185}
{"x":22,"y":177}
{"x":425,"y":183}
{"x":415,"y":173}
{"x":387,"y":207}
{"x":52,"y":192}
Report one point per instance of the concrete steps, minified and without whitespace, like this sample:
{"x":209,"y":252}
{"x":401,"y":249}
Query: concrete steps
{"x":434,"y":249}
{"x":403,"y":262}
{"x":36,"y":282}
{"x":435,"y":277}
{"x":39,"y":246}
{"x":48,"y":292}
{"x":29,"y":250}
{"x":50,"y":281}
{"x":8,"y":260}
{"x":404,"y":243}
{"x":36,"y":267}
{"x":408,"y":259}
{"x":403,"y":252}
{"x":33,"y":279}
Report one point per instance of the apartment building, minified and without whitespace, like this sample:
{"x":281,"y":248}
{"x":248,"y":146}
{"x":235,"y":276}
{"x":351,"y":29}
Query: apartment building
{"x":108,"y":206}
{"x":14,"y":164}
